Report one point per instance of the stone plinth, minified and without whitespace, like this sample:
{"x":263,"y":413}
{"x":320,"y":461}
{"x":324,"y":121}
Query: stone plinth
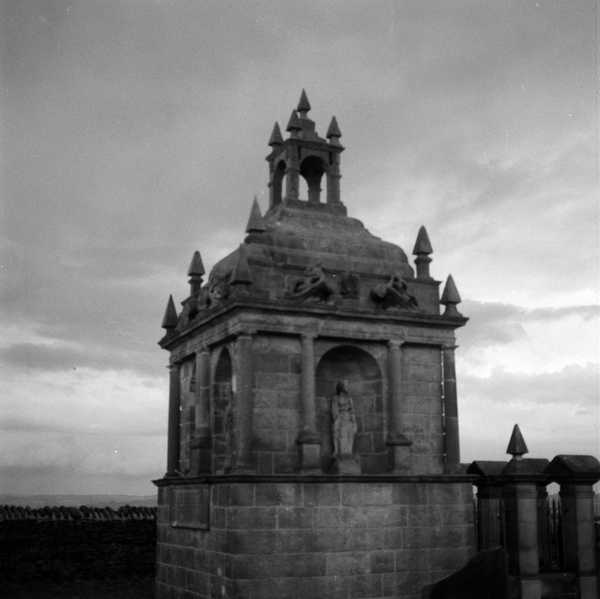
{"x":297,"y":537}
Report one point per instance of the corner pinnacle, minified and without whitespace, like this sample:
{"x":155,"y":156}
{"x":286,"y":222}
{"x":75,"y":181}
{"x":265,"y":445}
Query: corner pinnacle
{"x":169,"y":320}
{"x":450,"y":298}
{"x":241,"y":271}
{"x":517,"y":446}
{"x":256,"y":223}
{"x":294,"y":122}
{"x":422,"y":244}
{"x":303,"y":104}
{"x":196,"y":268}
{"x":333,"y":130}
{"x":276,"y":138}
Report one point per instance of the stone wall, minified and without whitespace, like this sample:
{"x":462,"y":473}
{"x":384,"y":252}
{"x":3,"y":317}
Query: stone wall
{"x":70,"y":543}
{"x":422,"y":402}
{"x":289,"y":540}
{"x":276,"y":362}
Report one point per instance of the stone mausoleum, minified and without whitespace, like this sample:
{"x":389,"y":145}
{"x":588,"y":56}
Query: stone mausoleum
{"x":313,"y":433}
{"x":313,"y":446}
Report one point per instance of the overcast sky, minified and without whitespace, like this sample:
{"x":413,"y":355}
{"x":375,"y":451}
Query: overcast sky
{"x":134,"y":132}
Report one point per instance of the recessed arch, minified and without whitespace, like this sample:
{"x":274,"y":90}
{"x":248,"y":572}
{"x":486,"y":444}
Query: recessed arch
{"x":311,"y":170}
{"x":364,"y":380}
{"x":222,"y":406}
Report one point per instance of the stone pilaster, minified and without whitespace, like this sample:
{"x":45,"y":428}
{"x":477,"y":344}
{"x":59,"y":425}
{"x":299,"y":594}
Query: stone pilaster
{"x":201,"y":443}
{"x":309,"y":443}
{"x":173,"y":426}
{"x":489,"y":505}
{"x":451,"y":444}
{"x":399,"y":444}
{"x":522,"y":532}
{"x":577,"y":501}
{"x":243,"y":402}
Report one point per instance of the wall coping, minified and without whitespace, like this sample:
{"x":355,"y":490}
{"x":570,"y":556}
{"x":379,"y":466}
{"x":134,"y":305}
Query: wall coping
{"x":215,"y":479}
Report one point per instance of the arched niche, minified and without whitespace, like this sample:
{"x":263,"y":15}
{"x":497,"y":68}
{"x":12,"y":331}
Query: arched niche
{"x":311,"y":170}
{"x":365,"y":385}
{"x":222,"y":406}
{"x":277,"y":182}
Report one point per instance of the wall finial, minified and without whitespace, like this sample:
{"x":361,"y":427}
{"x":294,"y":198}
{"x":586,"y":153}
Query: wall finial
{"x":517,"y":446}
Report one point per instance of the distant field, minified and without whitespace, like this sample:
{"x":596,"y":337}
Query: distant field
{"x":113,"y":501}
{"x":90,"y":589}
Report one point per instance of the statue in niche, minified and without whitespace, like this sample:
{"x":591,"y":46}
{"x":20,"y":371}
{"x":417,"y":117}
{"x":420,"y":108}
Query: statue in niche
{"x":344,"y":430}
{"x":394,"y":294}
{"x":314,"y":285}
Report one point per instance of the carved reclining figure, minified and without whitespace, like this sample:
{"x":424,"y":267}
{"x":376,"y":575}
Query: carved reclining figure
{"x":394,"y":294}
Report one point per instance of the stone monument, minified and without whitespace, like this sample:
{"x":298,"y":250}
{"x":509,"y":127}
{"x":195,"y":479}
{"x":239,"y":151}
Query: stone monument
{"x":313,"y":429}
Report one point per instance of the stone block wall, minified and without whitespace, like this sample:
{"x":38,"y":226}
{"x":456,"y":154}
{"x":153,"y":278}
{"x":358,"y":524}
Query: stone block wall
{"x":276,"y":418}
{"x":422,"y":402}
{"x":291,"y":540}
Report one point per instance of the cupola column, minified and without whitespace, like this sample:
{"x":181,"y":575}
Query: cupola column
{"x":396,"y":440}
{"x":308,"y":439}
{"x":244,"y":404}
{"x":292,"y":176}
{"x":173,"y":427}
{"x":333,"y":180}
{"x":451,"y":447}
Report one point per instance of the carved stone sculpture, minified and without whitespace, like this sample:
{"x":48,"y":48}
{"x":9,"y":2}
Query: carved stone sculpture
{"x":349,"y":285}
{"x":314,"y":285}
{"x":218,"y":290}
{"x":344,"y":430}
{"x":394,"y":294}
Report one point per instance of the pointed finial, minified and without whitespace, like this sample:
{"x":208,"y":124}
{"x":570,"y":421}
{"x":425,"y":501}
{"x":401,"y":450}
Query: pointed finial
{"x":450,"y":298}
{"x":333,"y":131}
{"x":422,"y":250}
{"x":241,"y":272}
{"x":276,"y":138}
{"x":303,"y":104}
{"x":196,"y":268}
{"x":294,"y":123}
{"x":256,"y":223}
{"x":169,"y":320}
{"x":422,"y":244}
{"x":517,"y":446}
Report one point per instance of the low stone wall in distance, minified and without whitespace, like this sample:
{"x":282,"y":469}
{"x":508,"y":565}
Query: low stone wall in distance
{"x":66,"y":543}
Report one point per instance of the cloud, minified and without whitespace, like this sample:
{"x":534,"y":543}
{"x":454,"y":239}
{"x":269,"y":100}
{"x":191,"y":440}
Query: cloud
{"x":496,"y":323}
{"x":137,"y":134}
